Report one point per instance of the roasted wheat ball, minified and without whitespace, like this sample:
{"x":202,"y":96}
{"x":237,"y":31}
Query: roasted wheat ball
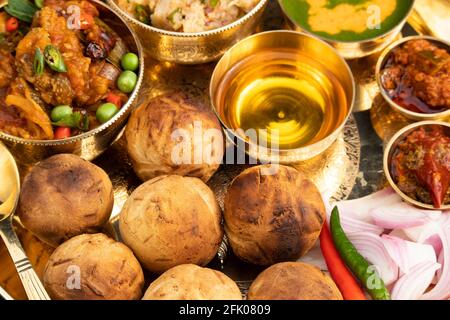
{"x":191,"y":282}
{"x":274,"y":216}
{"x":93,"y":267}
{"x":174,"y":134}
{"x":64,"y":196}
{"x":293,"y":281}
{"x":172,"y":220}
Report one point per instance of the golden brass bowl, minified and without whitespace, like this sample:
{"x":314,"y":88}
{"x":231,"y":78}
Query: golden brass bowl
{"x":193,"y":48}
{"x":89,"y":144}
{"x":387,"y":159}
{"x":357,"y":49}
{"x":276,"y":40}
{"x":445,"y":115}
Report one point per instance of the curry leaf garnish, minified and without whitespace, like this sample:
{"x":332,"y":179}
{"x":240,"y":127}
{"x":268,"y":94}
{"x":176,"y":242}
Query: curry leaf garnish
{"x":21,"y":9}
{"x":75,"y":120}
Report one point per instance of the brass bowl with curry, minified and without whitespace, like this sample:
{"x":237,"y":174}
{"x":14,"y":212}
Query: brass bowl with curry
{"x":70,"y":74}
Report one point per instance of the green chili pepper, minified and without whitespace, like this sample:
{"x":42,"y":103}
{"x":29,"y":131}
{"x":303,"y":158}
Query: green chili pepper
{"x":360,"y":267}
{"x":38,"y":63}
{"x":39,"y":3}
{"x":54,"y":59}
{"x":214,"y":3}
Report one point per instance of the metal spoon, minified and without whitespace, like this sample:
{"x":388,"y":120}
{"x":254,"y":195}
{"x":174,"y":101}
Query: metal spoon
{"x":9,"y":196}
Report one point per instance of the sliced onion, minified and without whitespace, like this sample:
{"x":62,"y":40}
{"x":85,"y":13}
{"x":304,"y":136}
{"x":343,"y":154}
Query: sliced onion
{"x":418,"y":253}
{"x":401,"y":215}
{"x":422,"y":233}
{"x":429,"y":232}
{"x":110,"y":72}
{"x":32,"y":112}
{"x":411,"y":286}
{"x":351,"y":225}
{"x":435,"y":242}
{"x":399,"y":233}
{"x":407,"y":254}
{"x":120,"y":48}
{"x":439,"y":273}
{"x":397,"y":250}
{"x":371,"y":247}
{"x":360,"y":208}
{"x":445,"y":218}
{"x":442,"y":289}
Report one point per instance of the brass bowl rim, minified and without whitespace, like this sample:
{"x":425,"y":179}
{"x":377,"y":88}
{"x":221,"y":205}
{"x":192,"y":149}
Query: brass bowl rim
{"x":261,"y":4}
{"x":392,"y":144}
{"x":124,"y":109}
{"x":378,"y":69}
{"x":297,"y":33}
{"x":334,"y":41}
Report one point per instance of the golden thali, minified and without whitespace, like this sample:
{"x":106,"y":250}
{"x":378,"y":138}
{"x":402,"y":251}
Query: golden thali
{"x":350,"y":168}
{"x":326,"y":170}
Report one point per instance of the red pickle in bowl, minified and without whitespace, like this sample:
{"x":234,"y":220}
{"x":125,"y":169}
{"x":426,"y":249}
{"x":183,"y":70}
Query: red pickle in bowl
{"x":421,"y":165}
{"x":417,"y":77}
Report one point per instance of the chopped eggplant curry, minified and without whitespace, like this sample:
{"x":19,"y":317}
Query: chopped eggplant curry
{"x":63,"y":71}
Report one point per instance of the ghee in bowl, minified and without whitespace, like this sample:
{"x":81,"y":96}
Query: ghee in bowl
{"x":294,"y":90}
{"x":283,"y":90}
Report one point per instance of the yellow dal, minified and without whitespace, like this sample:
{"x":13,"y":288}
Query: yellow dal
{"x":346,"y":17}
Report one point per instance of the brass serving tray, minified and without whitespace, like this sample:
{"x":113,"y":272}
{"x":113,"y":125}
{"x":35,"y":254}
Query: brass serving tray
{"x":351,"y":167}
{"x":334,"y":172}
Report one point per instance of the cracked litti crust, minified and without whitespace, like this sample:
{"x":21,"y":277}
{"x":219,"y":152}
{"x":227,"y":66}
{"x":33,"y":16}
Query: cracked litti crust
{"x":64,"y":196}
{"x":108,"y":270}
{"x":156,"y":128}
{"x":191,"y":282}
{"x":272,"y":217}
{"x":293,"y":281}
{"x":172,"y":220}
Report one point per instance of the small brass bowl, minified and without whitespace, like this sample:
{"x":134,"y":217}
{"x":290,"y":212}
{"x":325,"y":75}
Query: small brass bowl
{"x":444,"y":115}
{"x":276,"y":40}
{"x":389,"y":152}
{"x":193,"y":48}
{"x":90,"y":144}
{"x":357,"y":49}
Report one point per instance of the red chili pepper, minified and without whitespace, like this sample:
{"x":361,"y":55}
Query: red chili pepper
{"x":86,"y":21}
{"x":114,"y":98}
{"x":344,"y":279}
{"x":62,"y":133}
{"x":12,"y":24}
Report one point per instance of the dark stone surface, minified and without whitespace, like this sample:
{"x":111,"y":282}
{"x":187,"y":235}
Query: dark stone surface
{"x":371,"y":176}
